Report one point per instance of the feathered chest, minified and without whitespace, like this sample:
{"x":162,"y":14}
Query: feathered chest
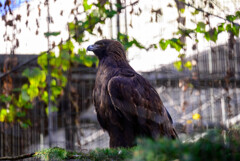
{"x":100,"y":93}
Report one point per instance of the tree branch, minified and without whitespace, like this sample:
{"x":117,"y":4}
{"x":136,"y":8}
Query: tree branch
{"x":24,"y":156}
{"x":201,"y":10}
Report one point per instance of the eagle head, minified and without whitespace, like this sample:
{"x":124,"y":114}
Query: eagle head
{"x":105,"y":47}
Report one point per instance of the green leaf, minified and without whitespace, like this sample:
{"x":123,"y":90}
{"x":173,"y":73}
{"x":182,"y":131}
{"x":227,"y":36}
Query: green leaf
{"x":195,"y":12}
{"x":86,"y":6}
{"x":28,"y":106}
{"x":32,"y":92}
{"x":182,"y":10}
{"x":200,"y":27}
{"x":163,"y":44}
{"x":176,"y":44}
{"x":213,"y":34}
{"x":235,"y":30}
{"x":178,"y":65}
{"x":3,"y":112}
{"x":188,"y":65}
{"x":47,"y":34}
{"x":53,"y":109}
{"x":207,"y":36}
{"x":21,"y":114}
{"x":35,"y":72}
{"x":44,"y":97}
{"x":221,"y":28}
{"x":53,"y":82}
{"x":231,"y":18}
{"x":24,"y":95}
{"x":5,"y":99}
{"x":237,"y":14}
{"x":42,"y":60}
{"x":229,"y":27}
{"x":110,"y":13}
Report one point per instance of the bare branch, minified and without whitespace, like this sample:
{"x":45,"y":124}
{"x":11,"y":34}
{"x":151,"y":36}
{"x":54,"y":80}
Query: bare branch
{"x":201,"y":10}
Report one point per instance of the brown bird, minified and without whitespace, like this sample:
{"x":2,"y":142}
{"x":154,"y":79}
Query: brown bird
{"x":127,"y":105}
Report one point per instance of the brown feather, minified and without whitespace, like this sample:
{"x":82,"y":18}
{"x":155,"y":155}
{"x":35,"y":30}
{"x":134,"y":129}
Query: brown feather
{"x":127,"y":105}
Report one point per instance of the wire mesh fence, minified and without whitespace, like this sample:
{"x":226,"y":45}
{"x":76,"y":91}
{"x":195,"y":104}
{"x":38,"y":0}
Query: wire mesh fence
{"x":205,"y":97}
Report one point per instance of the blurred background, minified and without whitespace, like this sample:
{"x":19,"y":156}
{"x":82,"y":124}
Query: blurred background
{"x":188,"y":50}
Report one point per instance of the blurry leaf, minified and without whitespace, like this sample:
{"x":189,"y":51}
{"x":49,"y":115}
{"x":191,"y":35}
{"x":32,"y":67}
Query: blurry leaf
{"x":3,"y":114}
{"x":53,"y":109}
{"x":185,"y":32}
{"x":21,"y":114}
{"x":195,"y":12}
{"x":110,"y":13}
{"x":221,"y":28}
{"x":237,"y":14}
{"x":178,"y":65}
{"x":235,"y":30}
{"x":163,"y":44}
{"x":213,"y":34}
{"x":32,"y":92}
{"x":188,"y":65}
{"x":24,"y":125}
{"x":181,"y":56}
{"x":86,"y":6}
{"x":196,"y":116}
{"x":189,"y":121}
{"x":207,"y":36}
{"x":229,"y":27}
{"x":31,"y":73}
{"x":182,"y":10}
{"x":24,"y":95}
{"x":44,"y":97}
{"x":4,"y":98}
{"x":53,"y":82}
{"x":47,"y":34}
{"x":18,"y":17}
{"x":9,"y":23}
{"x":200,"y":27}
{"x":176,"y":44}
{"x":28,"y":106}
{"x":231,"y":18}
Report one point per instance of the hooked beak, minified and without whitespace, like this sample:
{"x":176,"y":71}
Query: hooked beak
{"x":93,"y":47}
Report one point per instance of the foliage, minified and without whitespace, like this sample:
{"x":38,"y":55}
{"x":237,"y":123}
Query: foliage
{"x":15,"y":104}
{"x":98,"y":154}
{"x":213,"y":146}
{"x":52,"y":154}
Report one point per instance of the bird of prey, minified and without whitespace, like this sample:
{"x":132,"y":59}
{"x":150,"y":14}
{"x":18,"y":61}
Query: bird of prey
{"x":127,"y":105}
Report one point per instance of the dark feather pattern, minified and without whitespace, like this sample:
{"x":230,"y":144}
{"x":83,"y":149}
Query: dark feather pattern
{"x":127,"y":105}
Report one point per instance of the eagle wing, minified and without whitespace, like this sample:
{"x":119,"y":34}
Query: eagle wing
{"x":135,"y":98}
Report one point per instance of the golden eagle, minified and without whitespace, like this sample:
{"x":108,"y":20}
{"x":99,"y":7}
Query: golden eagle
{"x":127,"y":105}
